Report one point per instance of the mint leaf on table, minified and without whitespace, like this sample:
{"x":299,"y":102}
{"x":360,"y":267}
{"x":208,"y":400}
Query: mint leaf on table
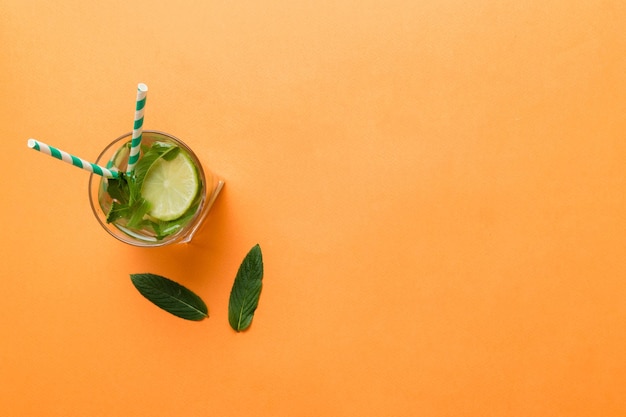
{"x":170,"y":296}
{"x":246,"y":291}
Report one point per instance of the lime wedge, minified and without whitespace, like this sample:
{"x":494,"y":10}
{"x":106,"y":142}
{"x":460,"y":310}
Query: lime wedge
{"x":170,"y":187}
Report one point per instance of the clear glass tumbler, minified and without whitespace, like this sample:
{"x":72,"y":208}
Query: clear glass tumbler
{"x":146,"y":231}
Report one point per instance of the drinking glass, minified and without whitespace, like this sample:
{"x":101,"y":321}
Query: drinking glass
{"x":182,"y":231}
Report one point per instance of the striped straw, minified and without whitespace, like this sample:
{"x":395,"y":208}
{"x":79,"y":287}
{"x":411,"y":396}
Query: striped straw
{"x":71,"y":159}
{"x":133,"y":157}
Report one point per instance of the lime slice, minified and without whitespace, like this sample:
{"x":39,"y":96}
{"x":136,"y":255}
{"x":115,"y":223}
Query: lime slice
{"x":170,"y":187}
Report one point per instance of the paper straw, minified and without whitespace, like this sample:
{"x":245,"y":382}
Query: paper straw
{"x":133,"y":156}
{"x":71,"y":159}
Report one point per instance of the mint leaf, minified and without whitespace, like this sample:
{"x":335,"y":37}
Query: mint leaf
{"x":246,"y":291}
{"x":117,"y":211}
{"x":156,"y":152}
{"x":139,"y":209}
{"x":118,"y":188}
{"x":171,"y":153}
{"x":170,"y":296}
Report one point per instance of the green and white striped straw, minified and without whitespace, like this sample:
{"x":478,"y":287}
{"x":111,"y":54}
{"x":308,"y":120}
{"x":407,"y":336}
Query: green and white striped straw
{"x":71,"y":159}
{"x":133,"y":156}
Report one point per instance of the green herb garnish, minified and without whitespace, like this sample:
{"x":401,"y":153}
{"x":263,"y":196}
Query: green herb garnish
{"x":125,"y":191}
{"x":170,"y":296}
{"x":182,"y":302}
{"x":246,"y":291}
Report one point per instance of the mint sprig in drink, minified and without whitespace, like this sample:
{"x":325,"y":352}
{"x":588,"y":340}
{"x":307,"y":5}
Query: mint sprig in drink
{"x":163,"y":200}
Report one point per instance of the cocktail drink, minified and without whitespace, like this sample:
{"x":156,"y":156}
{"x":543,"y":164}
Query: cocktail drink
{"x":150,"y":188}
{"x":163,"y":200}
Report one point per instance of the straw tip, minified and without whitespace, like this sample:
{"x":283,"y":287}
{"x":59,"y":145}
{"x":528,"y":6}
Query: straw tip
{"x":142,"y":87}
{"x":31,"y":143}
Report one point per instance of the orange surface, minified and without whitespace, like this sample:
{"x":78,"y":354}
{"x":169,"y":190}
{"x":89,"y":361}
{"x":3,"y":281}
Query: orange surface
{"x":437,"y":187}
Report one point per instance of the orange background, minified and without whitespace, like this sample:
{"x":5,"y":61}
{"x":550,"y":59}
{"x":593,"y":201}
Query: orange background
{"x":437,"y":187}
